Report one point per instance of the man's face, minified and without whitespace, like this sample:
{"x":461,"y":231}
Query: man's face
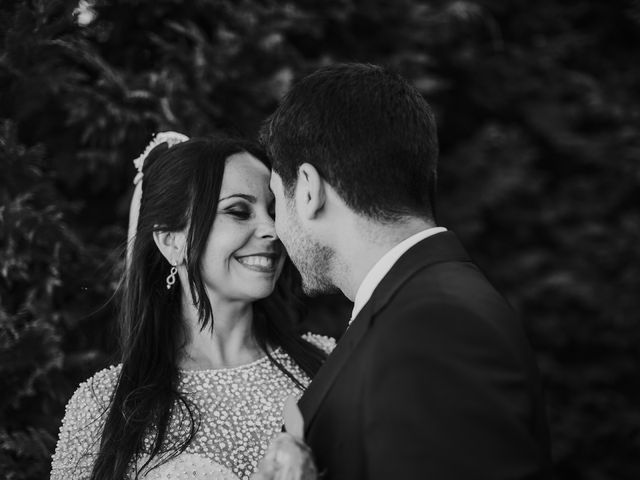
{"x":312,"y":259}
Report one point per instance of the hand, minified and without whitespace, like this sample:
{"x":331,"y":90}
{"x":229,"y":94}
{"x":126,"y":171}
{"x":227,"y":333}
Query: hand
{"x":288,"y":457}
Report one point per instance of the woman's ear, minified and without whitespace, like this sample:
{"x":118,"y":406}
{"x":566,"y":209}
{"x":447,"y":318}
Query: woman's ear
{"x":310,"y":191}
{"x":171,"y":245}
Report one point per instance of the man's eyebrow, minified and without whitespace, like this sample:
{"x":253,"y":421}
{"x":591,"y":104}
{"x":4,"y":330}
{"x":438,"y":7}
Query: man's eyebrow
{"x":248,"y":198}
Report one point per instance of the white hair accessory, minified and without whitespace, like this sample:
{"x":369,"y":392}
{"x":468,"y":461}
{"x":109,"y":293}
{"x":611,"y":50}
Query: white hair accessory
{"x":171,"y":139}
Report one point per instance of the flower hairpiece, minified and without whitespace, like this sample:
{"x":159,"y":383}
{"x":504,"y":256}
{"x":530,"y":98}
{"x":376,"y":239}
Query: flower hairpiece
{"x":171,"y":138}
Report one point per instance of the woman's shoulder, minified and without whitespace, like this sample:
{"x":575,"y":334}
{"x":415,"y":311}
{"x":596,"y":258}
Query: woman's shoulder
{"x":81,"y":427}
{"x":96,"y":390}
{"x":91,"y":399}
{"x":323,"y":342}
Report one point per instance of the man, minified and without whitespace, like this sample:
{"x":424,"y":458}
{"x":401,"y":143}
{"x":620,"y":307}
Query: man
{"x":434,"y":377}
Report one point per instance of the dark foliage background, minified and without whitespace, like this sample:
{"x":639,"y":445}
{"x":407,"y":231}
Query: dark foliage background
{"x":538,"y":105}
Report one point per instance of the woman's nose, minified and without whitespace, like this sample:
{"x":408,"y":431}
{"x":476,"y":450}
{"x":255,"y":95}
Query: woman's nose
{"x":267,"y":229}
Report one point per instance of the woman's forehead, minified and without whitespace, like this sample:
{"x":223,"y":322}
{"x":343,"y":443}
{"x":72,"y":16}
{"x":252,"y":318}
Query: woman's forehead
{"x":244,"y":173}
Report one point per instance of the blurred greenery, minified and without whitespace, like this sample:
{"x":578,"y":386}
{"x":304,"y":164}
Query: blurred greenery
{"x":538,"y":105}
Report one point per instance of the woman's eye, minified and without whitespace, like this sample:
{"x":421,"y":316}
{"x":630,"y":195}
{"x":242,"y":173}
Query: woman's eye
{"x":242,"y":214}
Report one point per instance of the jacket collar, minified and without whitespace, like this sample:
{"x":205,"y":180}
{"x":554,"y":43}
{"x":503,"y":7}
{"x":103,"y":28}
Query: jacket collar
{"x":443,"y":247}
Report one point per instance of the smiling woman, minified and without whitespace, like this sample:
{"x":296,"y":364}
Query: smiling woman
{"x":244,"y":258}
{"x":209,"y":351}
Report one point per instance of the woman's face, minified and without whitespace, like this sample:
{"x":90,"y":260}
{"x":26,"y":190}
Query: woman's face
{"x":243,"y":257}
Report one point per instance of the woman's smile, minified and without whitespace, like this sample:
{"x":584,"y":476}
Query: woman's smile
{"x":260,"y":262}
{"x":243,"y":258}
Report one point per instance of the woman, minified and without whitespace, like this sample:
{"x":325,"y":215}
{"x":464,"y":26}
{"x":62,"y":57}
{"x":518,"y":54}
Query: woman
{"x":209,"y":354}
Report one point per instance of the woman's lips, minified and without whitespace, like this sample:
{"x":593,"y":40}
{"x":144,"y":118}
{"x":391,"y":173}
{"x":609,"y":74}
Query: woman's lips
{"x":260,"y":262}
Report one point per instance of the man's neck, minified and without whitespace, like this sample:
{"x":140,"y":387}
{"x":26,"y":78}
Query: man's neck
{"x":362,"y":247}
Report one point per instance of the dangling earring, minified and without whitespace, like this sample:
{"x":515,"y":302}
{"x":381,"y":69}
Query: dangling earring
{"x":171,"y":278}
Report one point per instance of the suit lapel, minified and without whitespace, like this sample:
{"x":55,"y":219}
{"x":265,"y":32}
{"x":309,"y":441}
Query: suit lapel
{"x":442,"y":247}
{"x":325,"y":377}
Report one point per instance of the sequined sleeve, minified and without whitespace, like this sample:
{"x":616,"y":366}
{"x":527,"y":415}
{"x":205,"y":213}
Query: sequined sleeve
{"x":324,"y":343}
{"x":79,"y":436}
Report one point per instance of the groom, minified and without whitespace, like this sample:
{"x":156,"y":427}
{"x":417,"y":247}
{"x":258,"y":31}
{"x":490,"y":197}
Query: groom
{"x":434,"y":377}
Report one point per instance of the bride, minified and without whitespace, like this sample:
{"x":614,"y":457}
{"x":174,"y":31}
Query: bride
{"x":209,"y":353}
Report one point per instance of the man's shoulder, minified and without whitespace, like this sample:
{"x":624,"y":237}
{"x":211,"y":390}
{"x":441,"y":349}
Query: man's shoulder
{"x":447,"y":296}
{"x":446,"y":283}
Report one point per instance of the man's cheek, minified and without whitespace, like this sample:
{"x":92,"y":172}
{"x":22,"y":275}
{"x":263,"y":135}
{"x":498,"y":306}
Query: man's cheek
{"x":278,"y":224}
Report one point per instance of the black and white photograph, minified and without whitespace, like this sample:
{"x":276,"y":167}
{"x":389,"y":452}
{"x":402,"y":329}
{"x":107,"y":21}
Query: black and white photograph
{"x":319,"y":240}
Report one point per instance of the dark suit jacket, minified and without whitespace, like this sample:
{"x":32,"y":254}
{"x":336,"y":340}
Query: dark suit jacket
{"x":434,"y":379}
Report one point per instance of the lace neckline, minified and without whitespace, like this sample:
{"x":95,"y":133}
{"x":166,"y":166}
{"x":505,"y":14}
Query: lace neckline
{"x":246,"y":366}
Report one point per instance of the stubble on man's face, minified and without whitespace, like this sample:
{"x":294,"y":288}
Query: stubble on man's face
{"x":315,"y":270}
{"x":312,"y":259}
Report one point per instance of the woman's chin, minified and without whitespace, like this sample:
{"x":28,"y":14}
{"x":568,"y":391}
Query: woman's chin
{"x":258,"y":291}
{"x":261,"y":286}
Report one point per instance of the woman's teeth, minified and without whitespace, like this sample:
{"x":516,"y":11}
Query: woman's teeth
{"x":258,"y":262}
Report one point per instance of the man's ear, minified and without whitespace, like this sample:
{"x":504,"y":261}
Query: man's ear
{"x":171,"y":245}
{"x":310,"y":191}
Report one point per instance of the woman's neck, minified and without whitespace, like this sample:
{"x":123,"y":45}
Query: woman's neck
{"x":228,"y":344}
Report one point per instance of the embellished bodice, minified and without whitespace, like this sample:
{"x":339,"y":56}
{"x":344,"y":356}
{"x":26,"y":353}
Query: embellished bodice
{"x":239,"y":410}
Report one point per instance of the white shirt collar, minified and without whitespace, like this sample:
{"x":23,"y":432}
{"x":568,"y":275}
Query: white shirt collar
{"x":382,"y":267}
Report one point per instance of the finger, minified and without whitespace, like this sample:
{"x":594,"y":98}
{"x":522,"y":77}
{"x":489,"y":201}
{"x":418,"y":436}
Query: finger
{"x":266,"y":469}
{"x":286,"y":441}
{"x":293,"y":420}
{"x":287,"y":472}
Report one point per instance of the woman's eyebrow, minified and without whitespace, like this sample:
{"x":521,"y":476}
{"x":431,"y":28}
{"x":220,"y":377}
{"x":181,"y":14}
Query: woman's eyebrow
{"x":249,"y":198}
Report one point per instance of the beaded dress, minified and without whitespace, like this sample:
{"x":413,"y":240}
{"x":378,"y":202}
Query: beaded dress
{"x":240,"y":410}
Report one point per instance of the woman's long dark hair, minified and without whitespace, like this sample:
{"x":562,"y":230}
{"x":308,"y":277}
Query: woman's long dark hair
{"x":181,"y":186}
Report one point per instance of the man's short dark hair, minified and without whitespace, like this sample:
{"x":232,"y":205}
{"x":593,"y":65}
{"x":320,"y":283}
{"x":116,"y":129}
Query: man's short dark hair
{"x":370,"y":134}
